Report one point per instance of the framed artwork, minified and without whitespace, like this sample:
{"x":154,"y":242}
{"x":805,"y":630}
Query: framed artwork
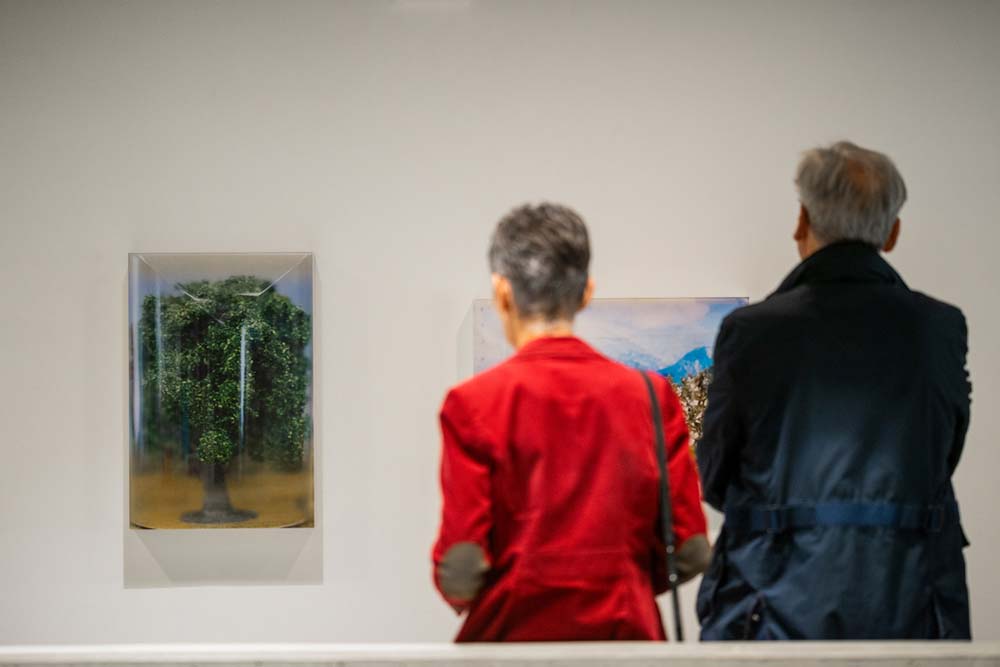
{"x":674,"y":337}
{"x":220,"y":400}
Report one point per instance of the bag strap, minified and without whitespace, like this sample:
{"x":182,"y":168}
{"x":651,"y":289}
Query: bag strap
{"x":666,"y":513}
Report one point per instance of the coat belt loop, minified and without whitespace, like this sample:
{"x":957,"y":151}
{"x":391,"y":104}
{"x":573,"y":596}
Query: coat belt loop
{"x":935,"y":518}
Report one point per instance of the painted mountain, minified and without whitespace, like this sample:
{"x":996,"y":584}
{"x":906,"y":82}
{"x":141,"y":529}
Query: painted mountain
{"x":672,"y":336}
{"x":635,"y":358}
{"x":692,"y":363}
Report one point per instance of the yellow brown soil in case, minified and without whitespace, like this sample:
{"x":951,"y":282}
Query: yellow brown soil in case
{"x":279,"y":499}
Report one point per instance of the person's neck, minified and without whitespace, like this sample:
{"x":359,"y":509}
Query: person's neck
{"x":809,"y":247}
{"x":526,"y":332}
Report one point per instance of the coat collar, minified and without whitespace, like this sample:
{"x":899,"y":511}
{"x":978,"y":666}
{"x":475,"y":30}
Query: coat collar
{"x":556,"y":346}
{"x":844,"y":262}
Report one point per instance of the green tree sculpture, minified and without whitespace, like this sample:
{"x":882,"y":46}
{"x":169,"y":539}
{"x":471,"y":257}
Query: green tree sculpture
{"x":228,"y":371}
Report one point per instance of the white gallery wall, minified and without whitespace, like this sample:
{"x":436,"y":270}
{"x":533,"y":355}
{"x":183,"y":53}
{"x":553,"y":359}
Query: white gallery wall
{"x":387,"y":138}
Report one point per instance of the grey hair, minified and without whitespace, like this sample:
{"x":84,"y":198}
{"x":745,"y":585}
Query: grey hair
{"x":544,"y":251}
{"x":851,"y":193}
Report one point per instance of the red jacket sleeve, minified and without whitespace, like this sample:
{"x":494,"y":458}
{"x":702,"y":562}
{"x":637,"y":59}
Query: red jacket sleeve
{"x":466,"y":466}
{"x":685,"y":488}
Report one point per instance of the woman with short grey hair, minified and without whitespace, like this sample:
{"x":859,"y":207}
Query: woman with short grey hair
{"x":539,"y":259}
{"x":549,"y":472}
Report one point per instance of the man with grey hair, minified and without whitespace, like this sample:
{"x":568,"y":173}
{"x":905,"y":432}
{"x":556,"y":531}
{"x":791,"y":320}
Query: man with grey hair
{"x":835,"y":420}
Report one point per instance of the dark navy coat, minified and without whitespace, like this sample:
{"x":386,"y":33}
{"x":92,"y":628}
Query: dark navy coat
{"x":835,"y":420}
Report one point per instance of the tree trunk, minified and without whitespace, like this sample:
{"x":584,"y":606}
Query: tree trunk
{"x":216,"y":507}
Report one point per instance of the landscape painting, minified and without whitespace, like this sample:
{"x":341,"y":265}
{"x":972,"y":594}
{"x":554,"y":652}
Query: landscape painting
{"x":674,"y":337}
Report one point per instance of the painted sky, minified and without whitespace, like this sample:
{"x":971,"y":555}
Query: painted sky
{"x":645,"y":333}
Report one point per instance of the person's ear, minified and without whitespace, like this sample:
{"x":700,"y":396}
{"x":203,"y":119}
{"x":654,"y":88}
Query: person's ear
{"x":588,"y":294}
{"x":890,"y":242}
{"x":802,"y":228}
{"x":503,"y":295}
{"x":803,"y":235}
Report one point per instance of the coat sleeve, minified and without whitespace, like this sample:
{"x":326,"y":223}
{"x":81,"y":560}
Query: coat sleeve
{"x":466,"y":466}
{"x":963,"y":402}
{"x":722,"y":430}
{"x":685,"y":493}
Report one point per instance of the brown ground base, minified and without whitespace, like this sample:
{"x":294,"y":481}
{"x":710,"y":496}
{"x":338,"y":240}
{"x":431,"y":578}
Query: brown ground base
{"x":280,"y":499}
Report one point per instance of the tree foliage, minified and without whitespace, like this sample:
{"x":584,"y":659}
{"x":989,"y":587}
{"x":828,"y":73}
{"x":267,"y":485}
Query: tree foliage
{"x":226,"y":368}
{"x":693,"y":394}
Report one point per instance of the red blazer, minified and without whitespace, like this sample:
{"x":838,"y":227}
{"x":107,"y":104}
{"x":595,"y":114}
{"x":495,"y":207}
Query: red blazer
{"x":549,"y":465}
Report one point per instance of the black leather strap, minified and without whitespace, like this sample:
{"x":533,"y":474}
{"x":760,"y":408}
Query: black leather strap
{"x":666,"y":511}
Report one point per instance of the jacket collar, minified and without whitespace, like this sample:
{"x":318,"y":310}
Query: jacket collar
{"x":556,"y":346}
{"x":844,"y":262}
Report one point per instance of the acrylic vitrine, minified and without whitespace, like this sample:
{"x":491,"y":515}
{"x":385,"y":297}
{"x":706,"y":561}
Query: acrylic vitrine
{"x":220,"y":370}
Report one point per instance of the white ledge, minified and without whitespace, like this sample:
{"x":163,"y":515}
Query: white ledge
{"x":827,"y":654}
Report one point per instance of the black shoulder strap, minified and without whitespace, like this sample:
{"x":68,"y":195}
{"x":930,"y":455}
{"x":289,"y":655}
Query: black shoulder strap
{"x":666,"y":513}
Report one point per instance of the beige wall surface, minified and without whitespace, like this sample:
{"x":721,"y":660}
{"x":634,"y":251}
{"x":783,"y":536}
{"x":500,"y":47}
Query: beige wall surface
{"x":387,"y":137}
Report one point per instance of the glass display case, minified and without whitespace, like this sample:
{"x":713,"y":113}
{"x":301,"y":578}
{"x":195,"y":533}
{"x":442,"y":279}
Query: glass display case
{"x":220,"y":370}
